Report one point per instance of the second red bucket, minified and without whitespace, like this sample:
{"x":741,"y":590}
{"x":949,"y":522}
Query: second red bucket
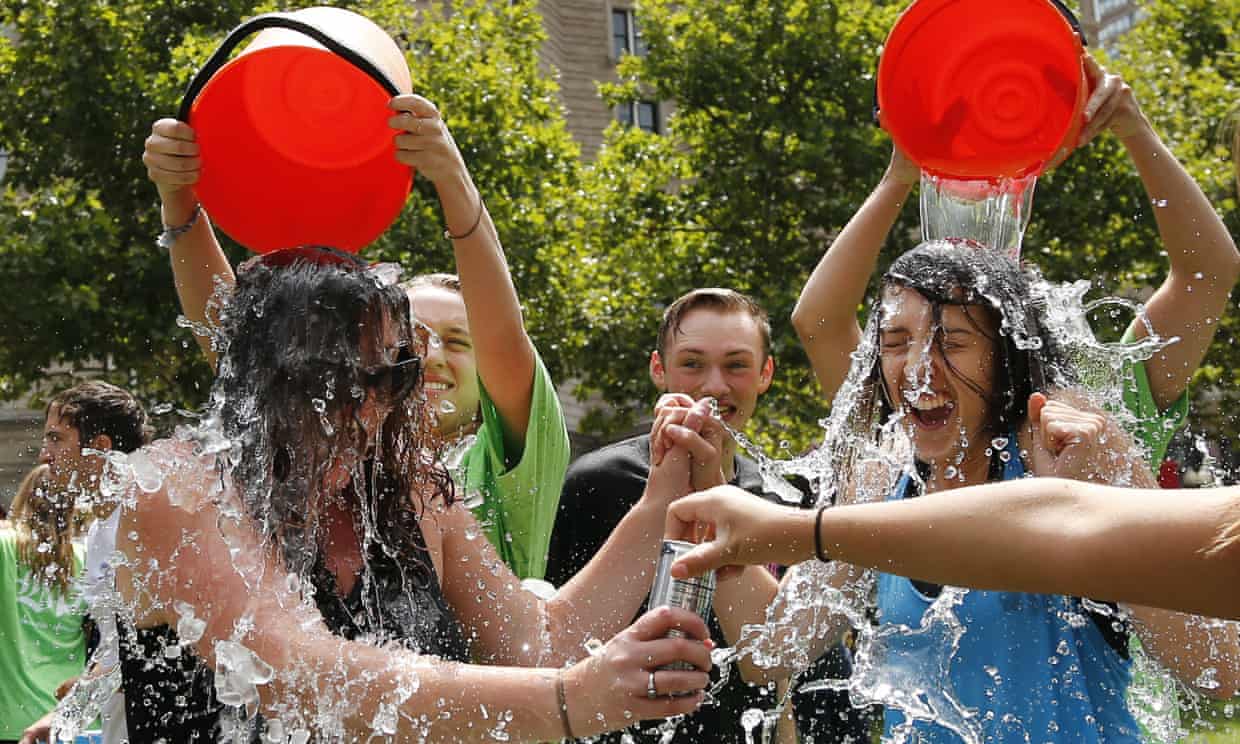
{"x":293,"y":132}
{"x":982,"y":89}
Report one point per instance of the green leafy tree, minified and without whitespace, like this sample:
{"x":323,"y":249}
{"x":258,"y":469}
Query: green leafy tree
{"x":88,"y":290}
{"x":771,"y":148}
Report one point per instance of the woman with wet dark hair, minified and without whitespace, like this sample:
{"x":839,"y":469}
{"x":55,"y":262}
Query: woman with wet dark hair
{"x":960,"y":380}
{"x":299,"y":564}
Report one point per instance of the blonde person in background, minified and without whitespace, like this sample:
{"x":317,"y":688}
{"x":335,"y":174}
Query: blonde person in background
{"x":42,"y":637}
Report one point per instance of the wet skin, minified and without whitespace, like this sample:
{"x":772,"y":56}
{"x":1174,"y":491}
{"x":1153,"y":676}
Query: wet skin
{"x":923,"y":379}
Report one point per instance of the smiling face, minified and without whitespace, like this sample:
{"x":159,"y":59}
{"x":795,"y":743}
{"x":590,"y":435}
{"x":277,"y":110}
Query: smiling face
{"x":939,"y":373}
{"x":451,"y":368}
{"x":719,"y":354}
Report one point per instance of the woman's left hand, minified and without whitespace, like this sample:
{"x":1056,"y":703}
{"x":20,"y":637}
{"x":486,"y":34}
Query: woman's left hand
{"x":1071,"y":440}
{"x":424,"y":142}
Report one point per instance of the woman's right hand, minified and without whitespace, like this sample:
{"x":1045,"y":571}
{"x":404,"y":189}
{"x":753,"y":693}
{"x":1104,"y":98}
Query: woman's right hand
{"x":609,"y":690}
{"x":171,"y":159}
{"x":902,"y":169}
{"x":741,"y":530}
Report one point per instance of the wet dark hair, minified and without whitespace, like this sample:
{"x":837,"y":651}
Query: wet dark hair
{"x":293,"y":376}
{"x":978,"y":279}
{"x":94,"y":408}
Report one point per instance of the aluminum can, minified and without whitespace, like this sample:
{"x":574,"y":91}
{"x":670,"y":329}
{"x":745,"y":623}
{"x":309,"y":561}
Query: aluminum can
{"x":695,"y":594}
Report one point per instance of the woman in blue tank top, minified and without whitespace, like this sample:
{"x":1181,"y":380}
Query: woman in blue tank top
{"x":962,"y":380}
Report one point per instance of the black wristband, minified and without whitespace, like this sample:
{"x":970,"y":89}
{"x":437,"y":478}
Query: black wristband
{"x":818,"y":535}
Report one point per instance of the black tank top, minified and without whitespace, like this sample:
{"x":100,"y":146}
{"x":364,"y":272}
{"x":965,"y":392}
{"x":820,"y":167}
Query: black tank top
{"x":171,"y":696}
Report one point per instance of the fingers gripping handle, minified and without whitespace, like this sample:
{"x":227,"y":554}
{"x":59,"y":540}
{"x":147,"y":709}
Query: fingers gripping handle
{"x":278,"y":20}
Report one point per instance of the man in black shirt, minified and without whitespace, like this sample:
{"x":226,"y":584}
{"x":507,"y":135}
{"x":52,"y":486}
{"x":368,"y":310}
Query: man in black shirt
{"x":711,"y":343}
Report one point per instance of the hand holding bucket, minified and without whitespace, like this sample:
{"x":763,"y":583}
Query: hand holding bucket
{"x":974,"y":91}
{"x":293,"y":132}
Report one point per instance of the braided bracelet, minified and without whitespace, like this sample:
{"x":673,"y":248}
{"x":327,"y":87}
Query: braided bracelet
{"x":477,"y":221}
{"x":170,"y":235}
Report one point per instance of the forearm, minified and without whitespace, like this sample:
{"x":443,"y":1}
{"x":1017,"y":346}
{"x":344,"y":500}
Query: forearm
{"x":197,"y":260}
{"x":825,"y":316}
{"x":1203,"y":653}
{"x":320,"y":675}
{"x":1195,"y":238}
{"x":743,"y":600}
{"x":605,"y":595}
{"x":1050,"y":536}
{"x":503,"y":349}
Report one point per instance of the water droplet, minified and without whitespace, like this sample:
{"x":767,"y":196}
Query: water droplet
{"x":319,"y":405}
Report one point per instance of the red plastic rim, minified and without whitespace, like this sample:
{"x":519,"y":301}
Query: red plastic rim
{"x":296,"y":151}
{"x":976,"y":89}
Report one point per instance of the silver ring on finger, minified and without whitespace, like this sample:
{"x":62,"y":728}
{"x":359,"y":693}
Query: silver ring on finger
{"x":652,"y":692}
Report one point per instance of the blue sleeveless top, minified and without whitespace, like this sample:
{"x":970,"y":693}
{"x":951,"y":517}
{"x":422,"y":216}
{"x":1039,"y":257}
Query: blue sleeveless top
{"x":1035,"y":667}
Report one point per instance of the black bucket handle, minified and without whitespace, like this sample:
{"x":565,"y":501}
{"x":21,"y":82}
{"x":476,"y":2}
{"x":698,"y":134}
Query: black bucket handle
{"x":278,"y":20}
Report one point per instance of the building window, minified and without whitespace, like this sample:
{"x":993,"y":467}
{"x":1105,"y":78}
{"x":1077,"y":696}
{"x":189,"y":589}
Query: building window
{"x":642,"y":114}
{"x":626,"y":37}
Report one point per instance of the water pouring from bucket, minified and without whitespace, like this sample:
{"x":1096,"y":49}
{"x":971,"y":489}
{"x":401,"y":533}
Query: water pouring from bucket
{"x":983,"y":102}
{"x":293,"y":132}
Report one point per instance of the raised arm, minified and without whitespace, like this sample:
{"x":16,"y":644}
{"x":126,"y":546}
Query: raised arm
{"x":172,"y":163}
{"x":504,"y":351}
{"x":1204,"y":263}
{"x":825,"y":316}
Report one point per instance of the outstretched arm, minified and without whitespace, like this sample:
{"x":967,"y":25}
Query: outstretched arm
{"x":197,"y":555}
{"x":825,"y":316}
{"x":1041,"y":535}
{"x":172,"y":163}
{"x":504,"y":351}
{"x":1204,"y":263}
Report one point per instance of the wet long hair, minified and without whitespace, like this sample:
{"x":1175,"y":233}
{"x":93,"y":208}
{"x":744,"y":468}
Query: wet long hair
{"x":292,"y":379}
{"x":44,"y":522}
{"x":1002,"y":301}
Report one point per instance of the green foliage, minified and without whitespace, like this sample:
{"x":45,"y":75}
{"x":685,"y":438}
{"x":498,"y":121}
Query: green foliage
{"x":89,"y":290}
{"x":1092,"y":217}
{"x":771,"y":149}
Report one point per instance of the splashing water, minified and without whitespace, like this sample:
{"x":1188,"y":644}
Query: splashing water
{"x":809,"y":609}
{"x":994,"y":214}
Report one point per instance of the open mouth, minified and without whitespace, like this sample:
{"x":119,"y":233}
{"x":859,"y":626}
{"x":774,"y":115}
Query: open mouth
{"x":932,"y":414}
{"x":438,"y":387}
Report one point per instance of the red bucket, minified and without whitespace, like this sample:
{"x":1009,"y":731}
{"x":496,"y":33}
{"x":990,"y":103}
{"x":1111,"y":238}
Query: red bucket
{"x":978,"y":89}
{"x":293,"y":132}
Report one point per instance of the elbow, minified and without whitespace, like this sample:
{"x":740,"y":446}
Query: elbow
{"x":803,"y":322}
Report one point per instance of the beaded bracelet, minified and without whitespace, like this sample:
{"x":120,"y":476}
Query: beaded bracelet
{"x":170,"y":235}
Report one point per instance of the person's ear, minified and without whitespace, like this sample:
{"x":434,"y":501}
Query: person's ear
{"x":657,"y":373}
{"x":101,"y":442}
{"x":766,"y":375}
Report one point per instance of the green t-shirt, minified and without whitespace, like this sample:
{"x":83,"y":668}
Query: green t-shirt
{"x":1153,"y":428}
{"x":518,"y":505}
{"x":41,"y":640}
{"x":1152,"y":692}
